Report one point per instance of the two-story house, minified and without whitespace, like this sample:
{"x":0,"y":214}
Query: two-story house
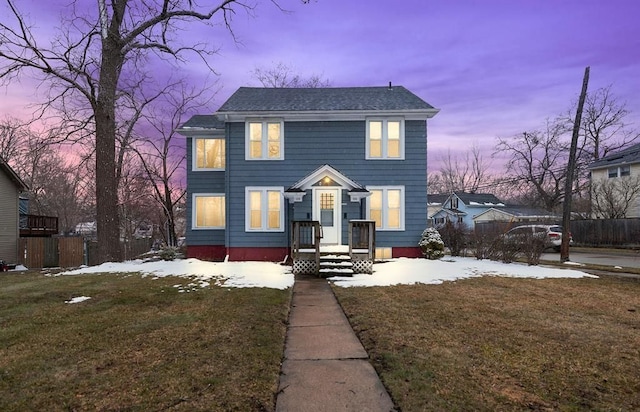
{"x":461,"y":207}
{"x":271,"y":156}
{"x":11,"y":185}
{"x":615,"y":184}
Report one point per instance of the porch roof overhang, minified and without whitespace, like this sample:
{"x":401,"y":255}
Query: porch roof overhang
{"x":296,"y":192}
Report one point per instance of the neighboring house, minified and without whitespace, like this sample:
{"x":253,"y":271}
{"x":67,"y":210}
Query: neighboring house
{"x":515,"y":214}
{"x":617,"y":176}
{"x":10,"y":188}
{"x":460,"y":207}
{"x":271,"y":156}
{"x":87,"y":229}
{"x":434,"y":204}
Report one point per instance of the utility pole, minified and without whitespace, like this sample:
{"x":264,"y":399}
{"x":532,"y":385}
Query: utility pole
{"x":568,"y":185}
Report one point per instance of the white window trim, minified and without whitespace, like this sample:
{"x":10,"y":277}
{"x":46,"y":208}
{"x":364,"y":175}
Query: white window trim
{"x":194,"y":158}
{"x":385,"y":209}
{"x":265,"y":154}
{"x":194,"y":225}
{"x":384,"y":121}
{"x":264,"y":208}
{"x":618,"y":170}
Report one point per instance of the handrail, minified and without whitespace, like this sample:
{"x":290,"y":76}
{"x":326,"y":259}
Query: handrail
{"x":306,"y":235}
{"x":362,"y":236}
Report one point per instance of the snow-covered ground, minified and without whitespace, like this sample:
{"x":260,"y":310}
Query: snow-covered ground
{"x":273,"y":275}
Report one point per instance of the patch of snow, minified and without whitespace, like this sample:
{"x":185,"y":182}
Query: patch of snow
{"x":617,"y":267}
{"x":19,"y":268}
{"x":569,"y":263}
{"x":227,"y":274}
{"x":404,"y":271}
{"x":77,"y":299}
{"x":272,"y":275}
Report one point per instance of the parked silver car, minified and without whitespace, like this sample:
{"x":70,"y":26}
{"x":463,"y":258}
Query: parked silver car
{"x":551,"y":234}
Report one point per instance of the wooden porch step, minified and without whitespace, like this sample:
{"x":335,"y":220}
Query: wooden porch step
{"x":333,"y":264}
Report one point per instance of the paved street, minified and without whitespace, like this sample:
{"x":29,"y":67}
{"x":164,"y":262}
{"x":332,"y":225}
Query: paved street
{"x":624,"y":259}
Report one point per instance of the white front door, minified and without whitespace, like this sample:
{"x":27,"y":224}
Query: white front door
{"x":326,"y":210}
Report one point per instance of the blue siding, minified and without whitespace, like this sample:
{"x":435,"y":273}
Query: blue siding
{"x":202,"y":182}
{"x":309,"y":145}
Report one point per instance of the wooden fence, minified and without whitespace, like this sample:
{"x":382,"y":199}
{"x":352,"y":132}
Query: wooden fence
{"x":589,"y":232}
{"x":67,"y":252}
{"x":41,"y":252}
{"x":606,"y":232}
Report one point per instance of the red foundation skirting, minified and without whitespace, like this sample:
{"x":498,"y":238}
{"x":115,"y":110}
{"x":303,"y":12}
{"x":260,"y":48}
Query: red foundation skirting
{"x":408,"y":252}
{"x":269,"y":254}
{"x":207,"y":252}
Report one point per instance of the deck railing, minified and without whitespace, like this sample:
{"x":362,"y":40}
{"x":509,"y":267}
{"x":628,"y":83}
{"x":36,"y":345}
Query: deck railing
{"x":305,"y":248}
{"x":36,"y":225}
{"x":362,"y":238}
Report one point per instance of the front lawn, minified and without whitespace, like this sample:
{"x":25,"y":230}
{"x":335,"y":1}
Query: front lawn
{"x":139,"y":344}
{"x":495,"y":343}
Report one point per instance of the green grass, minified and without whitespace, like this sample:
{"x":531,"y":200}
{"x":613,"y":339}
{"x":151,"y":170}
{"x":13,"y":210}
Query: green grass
{"x":137,"y":345}
{"x":492,"y":343}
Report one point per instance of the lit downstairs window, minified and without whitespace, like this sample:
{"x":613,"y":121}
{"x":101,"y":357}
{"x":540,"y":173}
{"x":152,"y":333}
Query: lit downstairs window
{"x":264,"y":209}
{"x":385,"y":139}
{"x":208,"y":211}
{"x":208,"y":154}
{"x":386,"y":207}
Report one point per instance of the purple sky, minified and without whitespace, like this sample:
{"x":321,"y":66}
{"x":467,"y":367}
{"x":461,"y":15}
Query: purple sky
{"x":493,"y":67}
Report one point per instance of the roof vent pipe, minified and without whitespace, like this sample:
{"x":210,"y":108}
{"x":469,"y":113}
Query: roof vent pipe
{"x":390,"y":88}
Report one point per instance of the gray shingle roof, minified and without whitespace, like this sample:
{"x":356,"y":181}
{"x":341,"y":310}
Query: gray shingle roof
{"x":626,"y":156}
{"x":203,"y":121}
{"x":13,"y":176}
{"x":484,"y":199}
{"x":521,"y":211}
{"x":253,"y":99}
{"x":436,"y":198}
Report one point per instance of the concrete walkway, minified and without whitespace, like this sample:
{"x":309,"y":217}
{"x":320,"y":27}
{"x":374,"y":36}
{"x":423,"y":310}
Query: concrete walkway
{"x":325,"y":366}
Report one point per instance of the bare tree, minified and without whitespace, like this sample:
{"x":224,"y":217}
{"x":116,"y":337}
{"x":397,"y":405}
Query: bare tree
{"x":12,"y":139}
{"x":613,"y":198}
{"x":537,"y":167}
{"x":604,"y":125}
{"x":93,"y":57}
{"x":466,"y":173}
{"x":283,"y":75}
{"x":162,"y":155}
{"x":538,"y":164}
{"x":56,"y":186}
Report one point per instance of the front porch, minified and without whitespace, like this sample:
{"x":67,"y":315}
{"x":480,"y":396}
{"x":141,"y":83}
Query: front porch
{"x":312,"y":257}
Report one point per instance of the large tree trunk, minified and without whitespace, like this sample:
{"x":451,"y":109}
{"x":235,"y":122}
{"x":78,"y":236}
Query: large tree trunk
{"x":107,"y":217}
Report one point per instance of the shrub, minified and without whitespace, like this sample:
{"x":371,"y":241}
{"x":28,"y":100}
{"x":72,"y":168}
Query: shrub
{"x":170,"y":253}
{"x":431,"y":244}
{"x":454,"y":236}
{"x":532,"y":248}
